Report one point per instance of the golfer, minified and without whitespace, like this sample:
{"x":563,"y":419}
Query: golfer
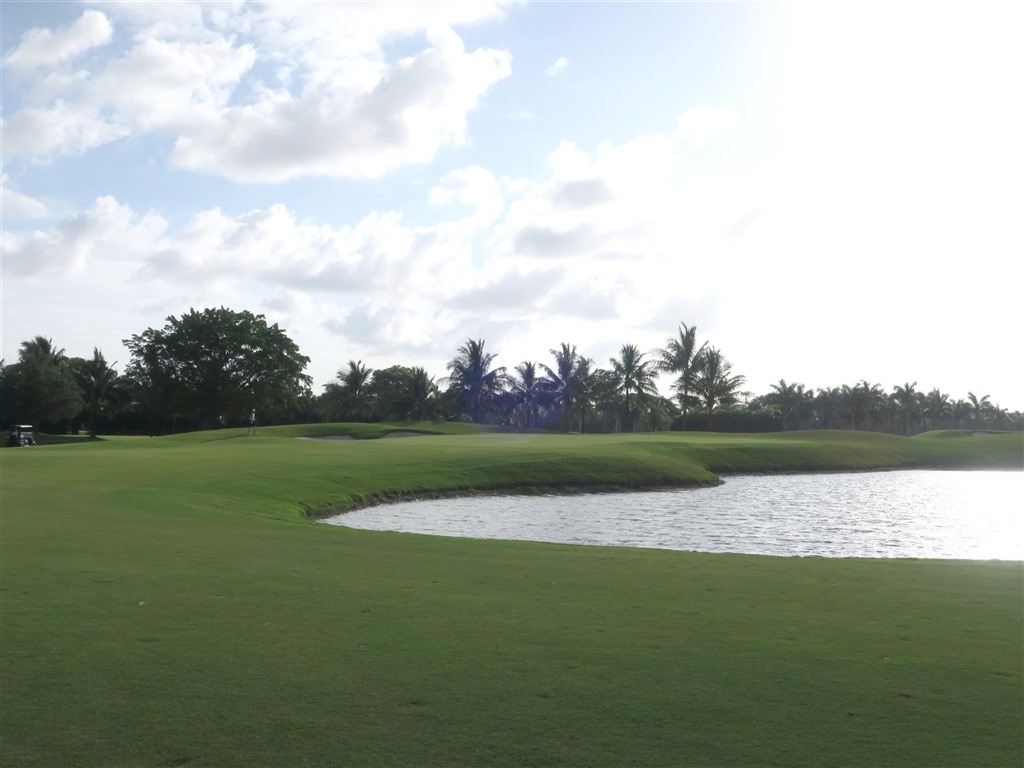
{"x":252,"y":422}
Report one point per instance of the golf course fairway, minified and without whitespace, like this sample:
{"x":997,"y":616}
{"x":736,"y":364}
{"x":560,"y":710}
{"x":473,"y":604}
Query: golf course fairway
{"x":173,"y":601}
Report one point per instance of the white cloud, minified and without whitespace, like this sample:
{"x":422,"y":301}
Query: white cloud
{"x":17,"y":205}
{"x":473,"y":186}
{"x":65,"y":128}
{"x":170,"y":85}
{"x":514,"y":290}
{"x":701,"y":124}
{"x":581,"y":301}
{"x":402,"y":325}
{"x":333,"y":105}
{"x":558,"y":67}
{"x":629,"y":202}
{"x":290,"y":302}
{"x":108,"y":230}
{"x":156,"y":86}
{"x":270,"y":247}
{"x":417,"y":107}
{"x":45,"y":49}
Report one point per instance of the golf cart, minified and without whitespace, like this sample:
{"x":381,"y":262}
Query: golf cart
{"x":21,"y":435}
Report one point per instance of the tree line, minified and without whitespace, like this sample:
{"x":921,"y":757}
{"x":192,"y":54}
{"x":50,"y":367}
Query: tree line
{"x":208,"y":369}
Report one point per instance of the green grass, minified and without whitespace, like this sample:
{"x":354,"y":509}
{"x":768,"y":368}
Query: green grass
{"x":169,"y":601}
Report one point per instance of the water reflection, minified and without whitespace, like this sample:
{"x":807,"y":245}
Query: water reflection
{"x":912,"y":513}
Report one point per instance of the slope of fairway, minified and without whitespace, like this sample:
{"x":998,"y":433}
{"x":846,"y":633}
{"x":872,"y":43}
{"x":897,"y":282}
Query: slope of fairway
{"x":169,"y":601}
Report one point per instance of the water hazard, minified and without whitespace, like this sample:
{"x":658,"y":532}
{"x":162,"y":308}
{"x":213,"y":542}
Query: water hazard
{"x":908,"y":513}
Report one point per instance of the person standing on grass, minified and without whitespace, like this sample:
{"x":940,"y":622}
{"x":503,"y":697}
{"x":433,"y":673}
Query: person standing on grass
{"x":252,"y":422}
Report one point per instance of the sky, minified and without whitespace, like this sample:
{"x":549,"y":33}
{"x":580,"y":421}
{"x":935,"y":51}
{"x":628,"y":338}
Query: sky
{"x":829,"y":192}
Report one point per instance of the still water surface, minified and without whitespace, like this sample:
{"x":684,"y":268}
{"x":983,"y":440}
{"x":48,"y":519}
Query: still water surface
{"x":907,"y":513}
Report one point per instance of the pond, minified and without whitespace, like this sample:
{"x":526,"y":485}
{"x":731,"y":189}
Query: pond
{"x":975,"y":515}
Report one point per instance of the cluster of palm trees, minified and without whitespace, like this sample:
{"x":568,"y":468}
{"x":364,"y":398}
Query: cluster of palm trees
{"x":573,"y":393}
{"x":868,"y":406}
{"x":621,"y":397}
{"x":363,"y":394}
{"x":46,"y":386}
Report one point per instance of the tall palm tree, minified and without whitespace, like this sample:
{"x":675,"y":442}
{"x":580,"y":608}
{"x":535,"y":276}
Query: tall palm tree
{"x":935,"y":406}
{"x":681,"y":356}
{"x":585,"y":382}
{"x":789,"y":398}
{"x":422,"y":394}
{"x":906,"y":398}
{"x":528,"y":390}
{"x":473,"y":380}
{"x":656,"y":413}
{"x":804,"y":407}
{"x":717,"y":385}
{"x":40,"y":349}
{"x":862,"y":403}
{"x":998,"y":417}
{"x":980,"y":407}
{"x":354,"y":396}
{"x":959,"y":411}
{"x":827,"y":405}
{"x":561,"y":382}
{"x":604,"y":397}
{"x":99,"y":384}
{"x":632,"y":374}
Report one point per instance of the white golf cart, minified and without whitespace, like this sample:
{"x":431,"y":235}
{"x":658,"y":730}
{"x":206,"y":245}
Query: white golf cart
{"x":21,"y":435}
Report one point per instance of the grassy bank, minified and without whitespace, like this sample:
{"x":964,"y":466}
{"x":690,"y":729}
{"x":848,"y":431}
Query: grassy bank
{"x":168,"y":601}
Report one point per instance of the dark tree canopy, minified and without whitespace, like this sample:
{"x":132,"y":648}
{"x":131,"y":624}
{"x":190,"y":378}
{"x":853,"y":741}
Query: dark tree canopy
{"x":40,"y":387}
{"x":210,"y":368}
{"x":100,"y":388}
{"x":473,"y":379}
{"x":403,"y":393}
{"x":216,"y":365}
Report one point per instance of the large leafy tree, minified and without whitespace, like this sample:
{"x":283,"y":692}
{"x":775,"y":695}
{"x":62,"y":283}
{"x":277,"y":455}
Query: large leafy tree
{"x":683,"y":358}
{"x":632,"y":376}
{"x":400,"y":392}
{"x":473,"y":381}
{"x":218,"y":364}
{"x":717,"y":385}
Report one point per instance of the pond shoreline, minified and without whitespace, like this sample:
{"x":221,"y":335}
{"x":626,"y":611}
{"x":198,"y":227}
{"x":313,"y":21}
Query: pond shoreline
{"x":904,"y":513}
{"x":398,"y":497}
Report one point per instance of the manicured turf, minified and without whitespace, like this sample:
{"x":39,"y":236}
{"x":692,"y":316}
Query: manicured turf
{"x":169,"y":601}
